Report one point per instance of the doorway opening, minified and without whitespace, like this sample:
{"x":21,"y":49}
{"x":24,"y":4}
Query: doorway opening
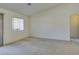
{"x":1,"y":29}
{"x":74,"y":27}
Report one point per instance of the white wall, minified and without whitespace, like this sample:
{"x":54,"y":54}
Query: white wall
{"x":53,"y":23}
{"x":9,"y":34}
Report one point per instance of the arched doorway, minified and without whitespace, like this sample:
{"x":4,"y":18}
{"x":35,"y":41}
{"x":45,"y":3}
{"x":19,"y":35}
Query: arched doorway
{"x":74,"y":26}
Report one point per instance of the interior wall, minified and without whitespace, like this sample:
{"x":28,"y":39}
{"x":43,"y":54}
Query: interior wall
{"x":53,"y":23}
{"x":9,"y":34}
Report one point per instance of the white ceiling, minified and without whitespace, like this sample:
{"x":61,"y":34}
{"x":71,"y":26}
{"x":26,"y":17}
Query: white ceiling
{"x":23,"y":8}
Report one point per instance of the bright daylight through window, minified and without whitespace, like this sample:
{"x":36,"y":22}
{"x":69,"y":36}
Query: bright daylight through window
{"x":18,"y":24}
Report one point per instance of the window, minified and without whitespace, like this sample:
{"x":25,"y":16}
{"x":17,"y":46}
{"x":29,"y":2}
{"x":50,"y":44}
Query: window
{"x":18,"y":24}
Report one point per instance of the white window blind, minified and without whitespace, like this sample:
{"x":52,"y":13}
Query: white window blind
{"x":18,"y":24}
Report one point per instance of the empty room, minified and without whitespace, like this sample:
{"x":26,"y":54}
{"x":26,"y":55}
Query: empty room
{"x":39,"y":28}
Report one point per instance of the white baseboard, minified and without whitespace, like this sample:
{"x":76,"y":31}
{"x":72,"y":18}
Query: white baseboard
{"x":47,"y":38}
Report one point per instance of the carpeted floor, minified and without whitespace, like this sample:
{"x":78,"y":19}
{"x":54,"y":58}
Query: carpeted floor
{"x":32,"y":46}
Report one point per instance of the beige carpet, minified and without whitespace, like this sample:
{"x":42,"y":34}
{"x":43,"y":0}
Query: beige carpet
{"x":31,"y":46}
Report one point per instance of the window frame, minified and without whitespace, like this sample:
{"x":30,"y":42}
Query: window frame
{"x":19,"y":28}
